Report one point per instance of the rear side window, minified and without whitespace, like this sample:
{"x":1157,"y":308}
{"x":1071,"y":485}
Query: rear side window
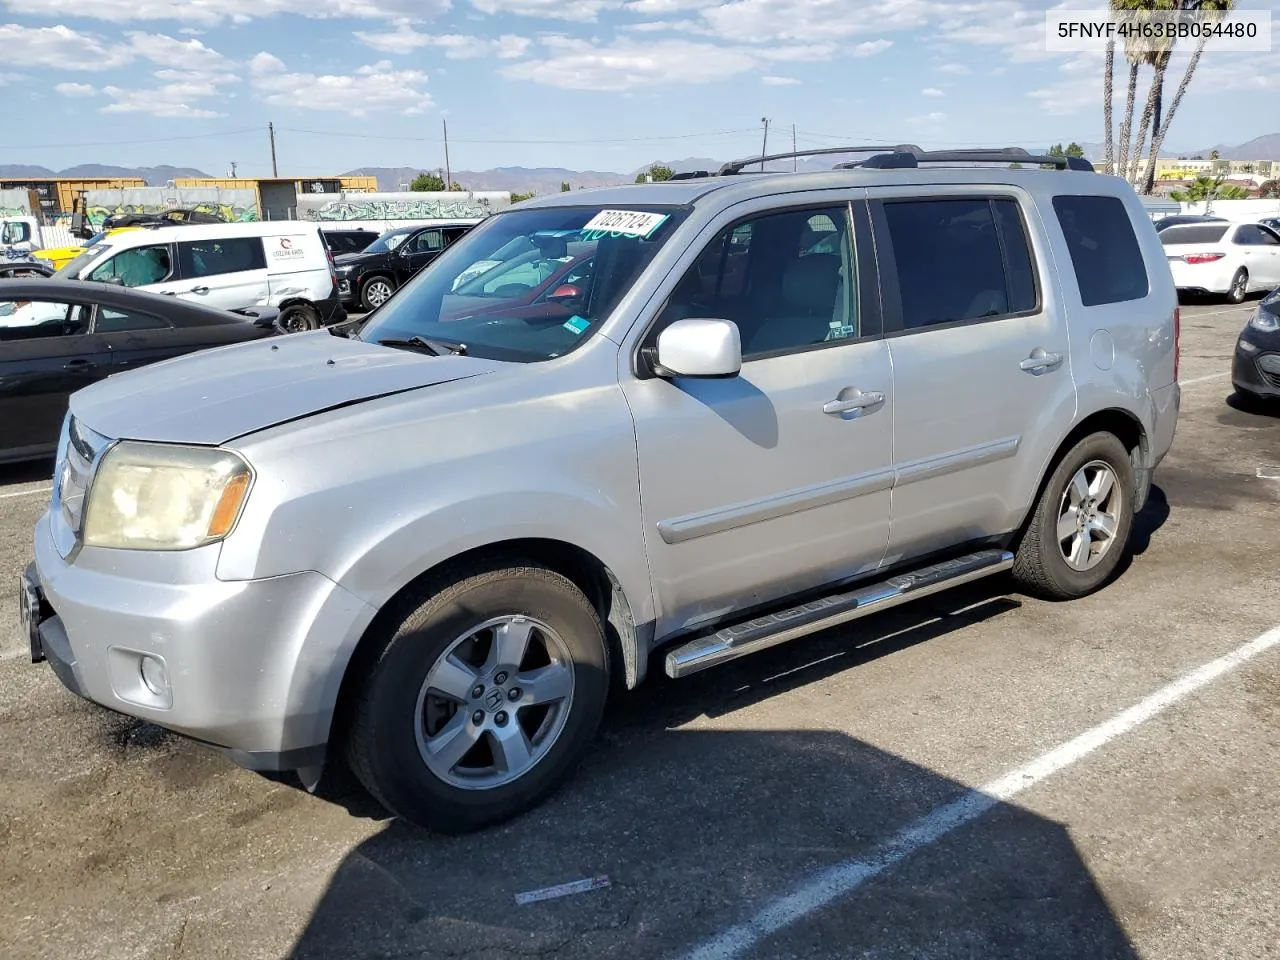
{"x":1193,"y":233}
{"x":963,"y":259}
{"x":211,"y":258}
{"x":1104,"y":250}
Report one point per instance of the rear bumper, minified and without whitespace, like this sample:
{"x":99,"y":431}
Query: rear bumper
{"x":1167,"y":403}
{"x":1202,"y":277}
{"x":332,"y":309}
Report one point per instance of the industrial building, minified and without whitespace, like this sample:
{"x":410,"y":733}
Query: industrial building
{"x":57,"y":196}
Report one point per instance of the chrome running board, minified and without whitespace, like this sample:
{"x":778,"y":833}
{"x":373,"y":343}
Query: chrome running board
{"x":771,"y":629}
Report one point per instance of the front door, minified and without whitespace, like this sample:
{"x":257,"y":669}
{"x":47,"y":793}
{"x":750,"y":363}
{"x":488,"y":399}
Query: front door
{"x":982,"y":376}
{"x":759,"y":486}
{"x":41,"y":364}
{"x":151,"y":267}
{"x":417,"y":252}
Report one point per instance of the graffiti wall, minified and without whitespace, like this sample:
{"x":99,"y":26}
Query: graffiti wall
{"x":401,"y":206}
{"x":236,"y":206}
{"x":15,"y":203}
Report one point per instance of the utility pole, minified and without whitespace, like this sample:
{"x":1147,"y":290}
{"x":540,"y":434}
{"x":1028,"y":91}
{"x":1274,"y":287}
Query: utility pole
{"x":271,"y":130}
{"x":233,"y":169}
{"x":764,"y":147}
{"x":448,"y":173}
{"x":795,"y":161}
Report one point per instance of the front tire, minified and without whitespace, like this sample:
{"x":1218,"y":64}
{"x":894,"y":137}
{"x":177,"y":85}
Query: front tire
{"x":482,"y":698}
{"x":1239,"y":286}
{"x":1080,"y":526}
{"x":376,"y":292}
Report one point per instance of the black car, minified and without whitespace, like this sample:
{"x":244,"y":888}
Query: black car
{"x":1255,"y":369}
{"x":367,"y":280}
{"x":166,"y":218}
{"x":1180,"y":219}
{"x":57,"y":336}
{"x":348,"y":241}
{"x":24,"y":268}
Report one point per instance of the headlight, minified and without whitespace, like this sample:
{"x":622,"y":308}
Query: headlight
{"x":149,"y":496}
{"x":1265,"y":321}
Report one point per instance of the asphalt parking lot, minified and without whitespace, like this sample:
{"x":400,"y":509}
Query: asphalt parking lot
{"x":812,"y":801}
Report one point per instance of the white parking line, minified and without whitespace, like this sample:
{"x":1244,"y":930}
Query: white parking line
{"x":1212,"y":376}
{"x":1216,"y":313}
{"x":843,"y":878}
{"x":24,"y":493}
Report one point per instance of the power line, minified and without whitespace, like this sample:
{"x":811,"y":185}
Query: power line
{"x":121,"y":143}
{"x":557,"y":140}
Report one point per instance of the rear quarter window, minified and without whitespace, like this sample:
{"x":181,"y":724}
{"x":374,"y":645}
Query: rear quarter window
{"x":1104,"y":250}
{"x":1194,"y":233}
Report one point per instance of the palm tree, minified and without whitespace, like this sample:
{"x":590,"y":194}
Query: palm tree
{"x":1134,"y":55}
{"x":1155,"y":56}
{"x":1162,"y":125}
{"x":1108,"y":93}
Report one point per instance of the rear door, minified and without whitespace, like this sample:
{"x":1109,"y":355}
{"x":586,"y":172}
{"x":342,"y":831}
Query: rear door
{"x":226,"y":272}
{"x":1261,"y":250}
{"x":981,"y":374}
{"x":41,"y":365}
{"x":416,"y":252}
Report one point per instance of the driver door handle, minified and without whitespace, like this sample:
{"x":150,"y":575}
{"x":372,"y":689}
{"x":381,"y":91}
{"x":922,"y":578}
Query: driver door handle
{"x":200,"y":290}
{"x":1040,"y":360}
{"x":852,"y":399}
{"x":77,"y":364}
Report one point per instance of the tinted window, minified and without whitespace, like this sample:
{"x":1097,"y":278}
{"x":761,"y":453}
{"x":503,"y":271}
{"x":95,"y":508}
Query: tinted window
{"x":27,"y":319}
{"x":137,"y":267}
{"x":121,"y":321}
{"x":787,"y":280}
{"x":427,"y":241}
{"x":950,"y":257}
{"x":212,"y":258}
{"x":1104,"y":250}
{"x":1269,"y":237}
{"x":1195,"y":233}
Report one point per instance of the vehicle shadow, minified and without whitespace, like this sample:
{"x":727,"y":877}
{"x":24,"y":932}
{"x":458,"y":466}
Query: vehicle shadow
{"x":699,"y":830}
{"x":28,"y":471}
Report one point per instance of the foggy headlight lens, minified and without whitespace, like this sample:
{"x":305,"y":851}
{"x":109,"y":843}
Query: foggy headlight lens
{"x":154,"y":497}
{"x":1265,"y":321}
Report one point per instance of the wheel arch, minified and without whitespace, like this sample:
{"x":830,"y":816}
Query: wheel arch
{"x":627,"y":644}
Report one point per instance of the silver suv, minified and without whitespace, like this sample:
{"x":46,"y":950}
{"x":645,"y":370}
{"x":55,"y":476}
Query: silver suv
{"x":685,"y":420}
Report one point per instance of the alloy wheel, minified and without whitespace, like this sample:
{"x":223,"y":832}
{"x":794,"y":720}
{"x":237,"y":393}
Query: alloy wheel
{"x":1089,"y":515}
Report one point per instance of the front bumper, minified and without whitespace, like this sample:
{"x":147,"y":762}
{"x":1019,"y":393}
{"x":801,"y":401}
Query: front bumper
{"x":1249,"y":373}
{"x":250,"y":667}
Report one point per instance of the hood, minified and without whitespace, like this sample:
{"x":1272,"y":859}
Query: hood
{"x":355,"y":259}
{"x":216,"y":395}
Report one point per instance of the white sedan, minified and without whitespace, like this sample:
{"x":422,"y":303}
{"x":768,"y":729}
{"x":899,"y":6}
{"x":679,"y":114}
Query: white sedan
{"x":1224,"y":258}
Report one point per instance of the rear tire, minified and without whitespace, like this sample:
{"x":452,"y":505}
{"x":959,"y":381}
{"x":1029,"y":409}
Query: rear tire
{"x":299,"y":318}
{"x":503,"y":735}
{"x":1239,"y":286}
{"x":1079,"y":529}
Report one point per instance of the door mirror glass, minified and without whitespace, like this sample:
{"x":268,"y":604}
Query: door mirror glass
{"x":566,"y":291}
{"x":698,"y":347}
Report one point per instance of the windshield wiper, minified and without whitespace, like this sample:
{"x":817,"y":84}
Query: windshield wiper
{"x":435,"y":348}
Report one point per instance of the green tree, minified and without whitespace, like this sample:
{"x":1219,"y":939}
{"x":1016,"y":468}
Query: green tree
{"x":656,"y":173}
{"x":521,"y":197}
{"x":1205,"y":189}
{"x":427,"y":183}
{"x":456,"y":187}
{"x":1074,"y":150}
{"x":564,"y":187}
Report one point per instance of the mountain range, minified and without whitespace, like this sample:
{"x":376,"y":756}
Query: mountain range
{"x":543,"y":180}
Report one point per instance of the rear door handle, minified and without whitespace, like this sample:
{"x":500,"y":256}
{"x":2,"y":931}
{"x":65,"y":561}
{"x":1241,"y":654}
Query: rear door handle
{"x":852,"y":399}
{"x":199,"y":290}
{"x":78,"y":364}
{"x":1040,"y":360}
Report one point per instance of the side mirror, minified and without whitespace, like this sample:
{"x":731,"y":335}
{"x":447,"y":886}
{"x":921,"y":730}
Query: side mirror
{"x":566,"y":291}
{"x":697,"y":347}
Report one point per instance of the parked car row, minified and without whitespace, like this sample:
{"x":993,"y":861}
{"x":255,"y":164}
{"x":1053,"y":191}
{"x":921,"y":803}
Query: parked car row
{"x":1209,"y":255}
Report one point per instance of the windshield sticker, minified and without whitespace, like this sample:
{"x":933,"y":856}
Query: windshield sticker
{"x":626,"y":223}
{"x":577,"y":324}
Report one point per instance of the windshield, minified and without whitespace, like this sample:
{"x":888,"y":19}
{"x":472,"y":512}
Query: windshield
{"x":1193,"y":233}
{"x":72,"y":270}
{"x":388,"y":242}
{"x":528,"y":285}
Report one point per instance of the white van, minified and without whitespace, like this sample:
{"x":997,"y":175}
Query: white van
{"x":283,"y":264}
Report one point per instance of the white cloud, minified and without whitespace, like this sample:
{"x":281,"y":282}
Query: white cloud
{"x":374,"y":88}
{"x":958,"y":69}
{"x":927,"y":118}
{"x":932,"y":92}
{"x":579,"y":10}
{"x":763,"y":21}
{"x":770,"y":81}
{"x":235,"y":11}
{"x":626,"y":65}
{"x":59,"y":47}
{"x":871,"y":47}
{"x":8,"y":78}
{"x":181,"y":54}
{"x":659,"y":7}
{"x":76,"y":89}
{"x":176,"y":98}
{"x":405,"y":39}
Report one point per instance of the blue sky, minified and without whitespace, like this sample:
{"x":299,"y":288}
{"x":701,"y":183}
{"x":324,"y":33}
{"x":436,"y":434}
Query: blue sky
{"x":584,"y":84}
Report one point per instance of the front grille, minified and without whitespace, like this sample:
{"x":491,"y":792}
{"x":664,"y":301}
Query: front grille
{"x":1269,"y":367}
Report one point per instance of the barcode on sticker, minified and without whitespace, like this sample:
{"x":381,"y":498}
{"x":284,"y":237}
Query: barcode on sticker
{"x":563,"y":890}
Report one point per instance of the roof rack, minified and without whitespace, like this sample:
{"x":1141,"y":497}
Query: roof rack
{"x":901,"y":159}
{"x":737,"y":166}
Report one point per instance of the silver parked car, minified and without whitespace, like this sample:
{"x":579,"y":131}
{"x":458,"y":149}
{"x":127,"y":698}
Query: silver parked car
{"x":698,"y":418}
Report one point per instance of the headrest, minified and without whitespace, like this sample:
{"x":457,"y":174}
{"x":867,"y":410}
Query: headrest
{"x":811,"y":283}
